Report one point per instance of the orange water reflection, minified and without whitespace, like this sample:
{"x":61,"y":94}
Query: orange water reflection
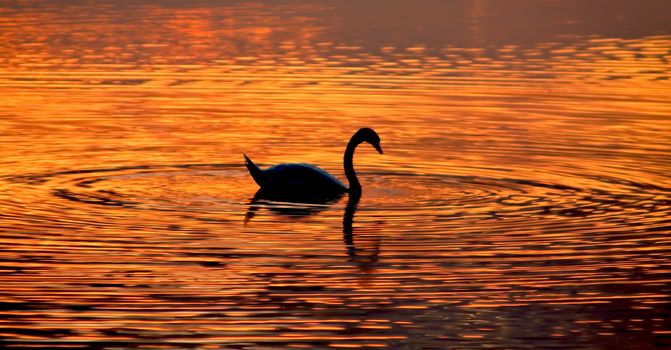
{"x":524,"y":181}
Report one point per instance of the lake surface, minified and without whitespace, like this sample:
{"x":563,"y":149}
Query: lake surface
{"x":523,"y":199}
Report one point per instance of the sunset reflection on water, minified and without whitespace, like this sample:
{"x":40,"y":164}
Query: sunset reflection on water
{"x":522,"y":200}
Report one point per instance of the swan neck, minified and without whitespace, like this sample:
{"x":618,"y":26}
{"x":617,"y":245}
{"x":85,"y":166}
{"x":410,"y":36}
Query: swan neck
{"x":354,"y":185}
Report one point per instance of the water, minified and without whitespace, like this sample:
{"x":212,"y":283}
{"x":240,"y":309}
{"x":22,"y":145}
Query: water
{"x":523,"y":199}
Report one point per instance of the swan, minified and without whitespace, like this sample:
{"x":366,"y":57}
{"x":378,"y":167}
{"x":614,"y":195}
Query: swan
{"x":300,"y":182}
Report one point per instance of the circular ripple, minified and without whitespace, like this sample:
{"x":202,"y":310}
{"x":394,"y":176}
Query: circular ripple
{"x":227,"y":188}
{"x":435,"y":239}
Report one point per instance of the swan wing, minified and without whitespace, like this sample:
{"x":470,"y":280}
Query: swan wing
{"x":301,"y":177}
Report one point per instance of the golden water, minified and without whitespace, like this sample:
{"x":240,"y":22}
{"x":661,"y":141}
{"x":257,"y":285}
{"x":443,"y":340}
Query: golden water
{"x":523,"y":199}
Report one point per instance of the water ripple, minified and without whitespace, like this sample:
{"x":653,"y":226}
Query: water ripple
{"x":523,"y":199}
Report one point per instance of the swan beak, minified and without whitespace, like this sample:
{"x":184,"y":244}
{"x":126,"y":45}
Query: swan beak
{"x":378,"y":148}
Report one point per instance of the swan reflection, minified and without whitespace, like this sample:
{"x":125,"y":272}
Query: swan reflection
{"x":290,"y":206}
{"x":365,"y":257}
{"x":360,"y":251}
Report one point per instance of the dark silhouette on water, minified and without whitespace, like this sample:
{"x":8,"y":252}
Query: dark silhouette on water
{"x":290,"y":209}
{"x":285,"y":184}
{"x":306,"y":183}
{"x":365,"y":259}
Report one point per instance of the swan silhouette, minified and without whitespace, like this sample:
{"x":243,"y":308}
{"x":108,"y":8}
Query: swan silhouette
{"x":306,"y":183}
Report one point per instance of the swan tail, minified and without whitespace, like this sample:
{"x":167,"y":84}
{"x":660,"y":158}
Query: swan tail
{"x":253,"y":170}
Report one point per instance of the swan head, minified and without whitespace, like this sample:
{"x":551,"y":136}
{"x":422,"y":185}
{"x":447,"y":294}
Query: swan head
{"x":369,"y":135}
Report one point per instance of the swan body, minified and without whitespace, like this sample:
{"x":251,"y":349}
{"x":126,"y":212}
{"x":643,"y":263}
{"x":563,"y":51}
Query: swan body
{"x":296,"y":178}
{"x":300,"y":182}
